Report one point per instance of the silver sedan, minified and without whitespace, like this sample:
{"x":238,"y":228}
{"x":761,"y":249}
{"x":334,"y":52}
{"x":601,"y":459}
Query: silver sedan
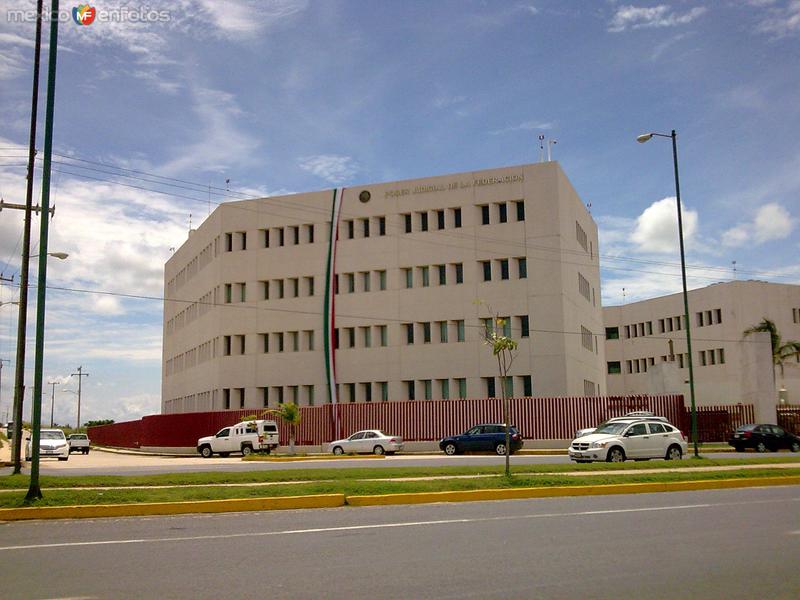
{"x":370,"y":441}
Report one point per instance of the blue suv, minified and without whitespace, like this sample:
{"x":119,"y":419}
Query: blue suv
{"x":490,"y":437}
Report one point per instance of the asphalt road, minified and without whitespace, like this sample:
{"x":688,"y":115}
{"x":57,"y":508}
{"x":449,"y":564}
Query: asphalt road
{"x":727,"y":544}
{"x":107,"y":463}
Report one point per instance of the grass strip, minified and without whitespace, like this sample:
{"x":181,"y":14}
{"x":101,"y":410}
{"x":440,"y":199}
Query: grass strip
{"x":350,"y":486}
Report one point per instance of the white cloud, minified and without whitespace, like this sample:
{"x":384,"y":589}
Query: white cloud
{"x":781,"y":21}
{"x":634,"y":17}
{"x":331,"y":167}
{"x":771,"y":222}
{"x":524,"y":126}
{"x":244,"y":18}
{"x":657,"y":227}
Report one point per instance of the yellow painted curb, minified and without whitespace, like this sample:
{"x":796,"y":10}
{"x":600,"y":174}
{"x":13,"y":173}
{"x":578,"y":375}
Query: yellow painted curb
{"x":551,"y":492}
{"x":171,"y":508}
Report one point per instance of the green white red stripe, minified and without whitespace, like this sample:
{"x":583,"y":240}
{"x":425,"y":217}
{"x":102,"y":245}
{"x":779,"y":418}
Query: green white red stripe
{"x":330,"y":314}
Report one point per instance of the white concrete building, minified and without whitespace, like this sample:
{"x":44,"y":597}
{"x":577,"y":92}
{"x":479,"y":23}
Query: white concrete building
{"x":646,"y":345}
{"x":417,"y":266}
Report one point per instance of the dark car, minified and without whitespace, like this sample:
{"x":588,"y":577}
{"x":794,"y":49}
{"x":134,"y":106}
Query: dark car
{"x":490,"y":437}
{"x":763,"y":437}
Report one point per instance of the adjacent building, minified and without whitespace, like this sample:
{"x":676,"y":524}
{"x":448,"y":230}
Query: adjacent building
{"x":646,"y":345}
{"x":384,"y":292}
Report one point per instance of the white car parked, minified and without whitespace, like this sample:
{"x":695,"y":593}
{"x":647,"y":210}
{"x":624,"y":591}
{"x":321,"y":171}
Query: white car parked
{"x":637,"y":414}
{"x":370,"y":441}
{"x":633,"y":438}
{"x":52,"y":442}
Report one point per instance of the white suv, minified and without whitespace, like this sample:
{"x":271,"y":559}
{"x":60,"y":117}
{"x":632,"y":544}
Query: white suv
{"x":632,"y":438}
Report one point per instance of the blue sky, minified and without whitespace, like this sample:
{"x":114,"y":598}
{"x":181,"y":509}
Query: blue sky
{"x":282,"y":96}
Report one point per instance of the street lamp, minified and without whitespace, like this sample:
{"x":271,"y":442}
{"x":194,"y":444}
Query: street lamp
{"x":642,"y":139}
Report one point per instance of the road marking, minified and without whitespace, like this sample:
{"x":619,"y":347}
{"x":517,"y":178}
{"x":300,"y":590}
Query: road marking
{"x":582,"y":513}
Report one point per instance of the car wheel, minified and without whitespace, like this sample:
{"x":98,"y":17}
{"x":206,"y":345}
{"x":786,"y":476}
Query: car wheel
{"x":761,"y":447}
{"x":616,"y":454}
{"x":500,"y":449}
{"x":674,"y":453}
{"x":450,"y":449}
{"x":338,"y":451}
{"x":247,"y":450}
{"x":378,"y":450}
{"x":206,"y":452}
{"x":795,"y":447}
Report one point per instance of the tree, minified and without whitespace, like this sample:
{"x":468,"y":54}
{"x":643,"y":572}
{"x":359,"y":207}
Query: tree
{"x":781,"y":351}
{"x":503,"y":348}
{"x":289,"y":413}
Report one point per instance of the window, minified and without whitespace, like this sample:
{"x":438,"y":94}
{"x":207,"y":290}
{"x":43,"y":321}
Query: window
{"x":456,"y":218}
{"x":506,"y":325}
{"x":280,"y":341}
{"x":509,"y":386}
{"x":502,"y":212}
{"x":309,"y":285}
{"x":335,"y":283}
{"x":407,"y":222}
{"x":367,"y":390}
{"x":351,"y":231}
{"x":294,"y":287}
{"x":280,"y":239}
{"x":586,"y":339}
{"x":588,"y":388}
{"x":351,"y":283}
{"x":365,"y":227}
{"x":384,"y":333}
{"x":226,"y":345}
{"x":520,"y":206}
{"x":351,"y":391}
{"x":703,"y":358}
{"x":228,"y":242}
{"x":410,"y":389}
{"x":409,"y":277}
{"x":443,"y":332}
{"x":439,"y":219}
{"x":527,"y":386}
{"x":426,"y":385}
{"x":294,"y":338}
{"x":488,"y":386}
{"x":309,"y":394}
{"x":228,"y":293}
{"x":264,"y":290}
{"x":580,"y":234}
{"x":459,"y":273}
{"x":442,"y":269}
{"x":426,"y":334}
{"x":366,"y":333}
{"x":310,"y":236}
{"x":280,"y":288}
{"x":423,"y":221}
{"x":295,"y":234}
{"x":409,"y":333}
{"x":614,"y":367}
{"x":718,"y":315}
{"x":426,"y":279}
{"x":486,"y":267}
{"x":351,"y":336}
{"x":524,"y":327}
{"x":522,"y":267}
{"x":365,"y":280}
{"x":612,"y":333}
{"x":381,"y":225}
{"x":504,"y":268}
{"x":699,"y":318}
{"x":309,"y":336}
{"x":384,"y":386}
{"x":444,"y":389}
{"x":583,"y":287}
{"x":462,"y":387}
{"x":721,"y":356}
{"x":484,"y":214}
{"x":382,"y":280}
{"x":460,"y":330}
{"x":265,"y":342}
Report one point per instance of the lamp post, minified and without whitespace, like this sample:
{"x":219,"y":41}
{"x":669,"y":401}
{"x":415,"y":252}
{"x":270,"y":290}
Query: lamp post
{"x":642,"y":139}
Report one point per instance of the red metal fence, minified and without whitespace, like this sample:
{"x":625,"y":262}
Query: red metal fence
{"x":537,"y":418}
{"x":716,"y":423}
{"x":789,"y":418}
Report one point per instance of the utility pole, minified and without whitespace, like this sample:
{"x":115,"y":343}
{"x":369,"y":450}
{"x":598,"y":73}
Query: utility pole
{"x":22,"y":320}
{"x":80,"y":375}
{"x":52,"y":385}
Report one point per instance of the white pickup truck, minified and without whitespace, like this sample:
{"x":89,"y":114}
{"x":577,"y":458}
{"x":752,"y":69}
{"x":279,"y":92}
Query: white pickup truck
{"x":246,"y":437}
{"x":78,"y":442}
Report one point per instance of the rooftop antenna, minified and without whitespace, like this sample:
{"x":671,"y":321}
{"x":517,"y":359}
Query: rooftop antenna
{"x":190,"y":221}
{"x":550,"y":144}
{"x":623,"y":296}
{"x":541,"y":147}
{"x":734,"y":270}
{"x":228,"y":185}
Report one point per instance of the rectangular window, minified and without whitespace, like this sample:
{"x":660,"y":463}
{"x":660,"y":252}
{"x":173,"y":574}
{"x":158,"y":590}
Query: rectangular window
{"x":488,"y":386}
{"x":309,"y":285}
{"x":502,"y":212}
{"x":703,"y":358}
{"x":228,"y":242}
{"x":409,"y":333}
{"x":351,"y":229}
{"x":428,"y":387}
{"x":351,"y":283}
{"x":612,"y":333}
{"x":504,"y":268}
{"x":423,"y":221}
{"x":407,"y":222}
{"x":583,"y":287}
{"x":295,"y":234}
{"x":718,"y":315}
{"x":226,"y":398}
{"x":456,"y":218}
{"x":264,"y":393}
{"x":410,"y":390}
{"x":462,"y":387}
{"x":280,"y":341}
{"x":614,"y":367}
{"x":439,"y":219}
{"x":444,"y":389}
{"x":460,"y":330}
{"x":384,"y":385}
{"x":426,"y":333}
{"x":484,"y":214}
{"x":309,"y":391}
{"x":506,"y":324}
{"x":351,"y":391}
{"x":520,"y":206}
{"x":721,"y":356}
{"x":309,"y":336}
{"x":586,"y":339}
{"x":699,"y":318}
{"x":228,"y":293}
{"x":365,"y":280}
{"x":265,"y":342}
{"x":409,"y":277}
{"x":522,"y":267}
{"x":649,"y":326}
{"x":527,"y":386}
{"x":366,"y":389}
{"x":524,"y":326}
{"x":264,"y":290}
{"x":264,"y":234}
{"x":580,"y":234}
{"x":365,"y":227}
{"x":384,"y":331}
{"x":426,"y":278}
{"x":226,"y":345}
{"x":366,"y":333}
{"x":443,"y":332}
{"x":486,"y":267}
{"x":310,"y":239}
{"x":442,"y":269}
{"x":382,"y":280}
{"x":280,"y":288}
{"x":351,"y":336}
{"x":459,"y":272}
{"x":381,"y":226}
{"x":335,"y":283}
{"x":294,"y":287}
{"x":294,"y":338}
{"x":281,"y":239}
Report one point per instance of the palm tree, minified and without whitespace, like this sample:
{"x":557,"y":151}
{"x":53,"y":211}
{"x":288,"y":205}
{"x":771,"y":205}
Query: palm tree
{"x":289,"y":413}
{"x":781,"y":352}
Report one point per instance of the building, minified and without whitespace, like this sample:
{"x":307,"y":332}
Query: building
{"x":263,"y":307}
{"x":646,"y":345}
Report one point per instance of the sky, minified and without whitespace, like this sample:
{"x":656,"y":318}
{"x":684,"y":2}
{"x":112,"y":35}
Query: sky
{"x":164,"y":110}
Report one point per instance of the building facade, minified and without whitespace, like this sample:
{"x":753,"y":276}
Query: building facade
{"x":646,"y":345}
{"x":264,"y":305}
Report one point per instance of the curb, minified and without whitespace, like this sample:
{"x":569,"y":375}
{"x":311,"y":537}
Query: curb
{"x":172,"y":508}
{"x":563,"y":491}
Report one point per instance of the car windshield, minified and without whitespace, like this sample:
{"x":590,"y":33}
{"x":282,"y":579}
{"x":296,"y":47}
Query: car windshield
{"x":52,"y":435}
{"x":611,"y":428}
